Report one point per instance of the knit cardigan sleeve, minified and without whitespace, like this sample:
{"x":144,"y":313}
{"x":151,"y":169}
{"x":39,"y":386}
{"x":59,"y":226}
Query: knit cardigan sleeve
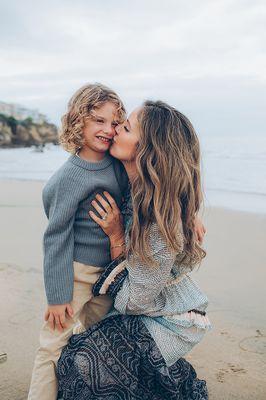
{"x":142,"y":289}
{"x":61,"y":197}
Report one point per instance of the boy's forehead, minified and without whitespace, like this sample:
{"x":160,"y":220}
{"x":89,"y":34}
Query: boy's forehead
{"x":107,"y":108}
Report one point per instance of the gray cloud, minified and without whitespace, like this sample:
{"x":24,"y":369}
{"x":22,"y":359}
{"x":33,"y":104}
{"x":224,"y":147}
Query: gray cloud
{"x":206,"y":58}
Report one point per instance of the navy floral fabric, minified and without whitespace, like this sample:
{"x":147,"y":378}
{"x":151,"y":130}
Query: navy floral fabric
{"x":117,"y":359}
{"x":116,"y":284}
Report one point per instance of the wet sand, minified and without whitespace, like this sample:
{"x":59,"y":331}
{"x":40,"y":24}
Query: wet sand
{"x":232,"y":357}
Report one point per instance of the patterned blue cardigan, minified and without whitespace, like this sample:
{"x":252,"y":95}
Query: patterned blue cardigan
{"x":168,"y":301}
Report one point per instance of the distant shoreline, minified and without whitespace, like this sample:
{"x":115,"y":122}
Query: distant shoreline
{"x":251,"y":203}
{"x":28,"y":146}
{"x":234,"y":185}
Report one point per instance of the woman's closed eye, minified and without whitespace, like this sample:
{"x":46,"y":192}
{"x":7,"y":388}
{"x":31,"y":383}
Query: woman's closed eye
{"x":126,"y":128}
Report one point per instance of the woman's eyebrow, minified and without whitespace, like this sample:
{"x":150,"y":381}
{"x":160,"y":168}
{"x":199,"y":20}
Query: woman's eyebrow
{"x":128,"y":123}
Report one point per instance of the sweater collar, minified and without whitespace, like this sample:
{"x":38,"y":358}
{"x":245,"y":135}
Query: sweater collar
{"x":91,"y":166}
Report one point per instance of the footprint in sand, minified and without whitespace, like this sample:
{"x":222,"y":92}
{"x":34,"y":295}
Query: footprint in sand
{"x":221,"y":375}
{"x":254,"y":344}
{"x":3,"y":357}
{"x":228,"y":336}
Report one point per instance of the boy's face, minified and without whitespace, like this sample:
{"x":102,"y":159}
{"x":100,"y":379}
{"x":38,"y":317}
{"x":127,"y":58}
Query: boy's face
{"x":99,"y":129}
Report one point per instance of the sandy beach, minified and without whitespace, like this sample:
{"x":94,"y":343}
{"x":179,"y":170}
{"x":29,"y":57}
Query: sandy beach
{"x":232,"y":357}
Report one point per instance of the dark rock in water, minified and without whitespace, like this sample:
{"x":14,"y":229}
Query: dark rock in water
{"x":17,"y":133}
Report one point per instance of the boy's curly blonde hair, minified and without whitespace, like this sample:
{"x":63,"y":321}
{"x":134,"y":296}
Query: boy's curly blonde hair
{"x":81,"y":104}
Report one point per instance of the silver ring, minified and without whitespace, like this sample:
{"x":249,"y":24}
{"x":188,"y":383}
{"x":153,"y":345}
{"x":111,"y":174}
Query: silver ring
{"x":104,"y":217}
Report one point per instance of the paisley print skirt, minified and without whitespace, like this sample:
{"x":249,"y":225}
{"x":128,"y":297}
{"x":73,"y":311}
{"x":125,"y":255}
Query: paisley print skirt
{"x":117,"y":359}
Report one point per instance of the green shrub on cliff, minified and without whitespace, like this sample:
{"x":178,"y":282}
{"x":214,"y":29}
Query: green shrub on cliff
{"x":13,"y":122}
{"x":25,"y":132}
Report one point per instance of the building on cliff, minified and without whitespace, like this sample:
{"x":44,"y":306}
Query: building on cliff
{"x":20,"y":113}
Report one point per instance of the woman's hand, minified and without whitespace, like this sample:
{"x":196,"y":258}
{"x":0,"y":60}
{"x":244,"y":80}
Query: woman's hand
{"x":111,"y":220}
{"x":200,"y":229}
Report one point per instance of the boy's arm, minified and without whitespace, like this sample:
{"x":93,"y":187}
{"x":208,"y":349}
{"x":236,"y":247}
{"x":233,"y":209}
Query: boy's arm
{"x":64,"y":197}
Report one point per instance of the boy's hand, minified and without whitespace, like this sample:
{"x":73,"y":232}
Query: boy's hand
{"x":200,"y":229}
{"x":56,"y":315}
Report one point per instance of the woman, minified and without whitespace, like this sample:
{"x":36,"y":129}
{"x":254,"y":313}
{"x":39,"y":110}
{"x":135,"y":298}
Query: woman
{"x":159,"y":312}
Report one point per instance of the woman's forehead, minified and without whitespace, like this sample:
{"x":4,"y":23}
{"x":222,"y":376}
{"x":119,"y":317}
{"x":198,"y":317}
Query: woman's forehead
{"x":133,"y":116}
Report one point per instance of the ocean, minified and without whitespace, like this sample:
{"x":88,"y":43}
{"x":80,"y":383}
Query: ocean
{"x":233,"y":169}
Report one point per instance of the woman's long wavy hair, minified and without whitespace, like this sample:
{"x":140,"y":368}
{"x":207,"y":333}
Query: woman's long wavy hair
{"x":167,"y":188}
{"x":87,"y":98}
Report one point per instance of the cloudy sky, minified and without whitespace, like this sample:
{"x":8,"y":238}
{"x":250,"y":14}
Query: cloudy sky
{"x":207,"y":58}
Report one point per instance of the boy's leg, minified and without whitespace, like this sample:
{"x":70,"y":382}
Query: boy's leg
{"x":94,"y":310}
{"x":44,"y":383}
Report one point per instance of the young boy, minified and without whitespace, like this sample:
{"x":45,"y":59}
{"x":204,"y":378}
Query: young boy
{"x":75,"y":248}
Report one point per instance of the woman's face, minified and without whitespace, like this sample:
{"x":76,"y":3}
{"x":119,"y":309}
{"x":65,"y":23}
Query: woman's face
{"x":126,"y":138}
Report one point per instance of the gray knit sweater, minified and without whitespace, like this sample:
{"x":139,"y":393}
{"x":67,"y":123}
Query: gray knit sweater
{"x":71,"y":234}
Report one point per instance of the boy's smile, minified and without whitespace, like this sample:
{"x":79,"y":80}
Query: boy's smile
{"x":104,"y":139}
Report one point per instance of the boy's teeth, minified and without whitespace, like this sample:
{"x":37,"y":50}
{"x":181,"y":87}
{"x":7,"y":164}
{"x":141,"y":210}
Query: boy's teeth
{"x":103,"y":139}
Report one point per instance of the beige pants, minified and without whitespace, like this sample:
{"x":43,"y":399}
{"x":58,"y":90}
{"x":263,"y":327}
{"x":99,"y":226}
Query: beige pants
{"x":88,"y":310}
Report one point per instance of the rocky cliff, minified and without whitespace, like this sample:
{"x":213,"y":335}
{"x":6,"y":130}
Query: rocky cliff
{"x":15,"y":133}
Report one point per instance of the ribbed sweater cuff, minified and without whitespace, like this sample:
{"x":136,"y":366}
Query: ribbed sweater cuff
{"x":59,"y":298}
